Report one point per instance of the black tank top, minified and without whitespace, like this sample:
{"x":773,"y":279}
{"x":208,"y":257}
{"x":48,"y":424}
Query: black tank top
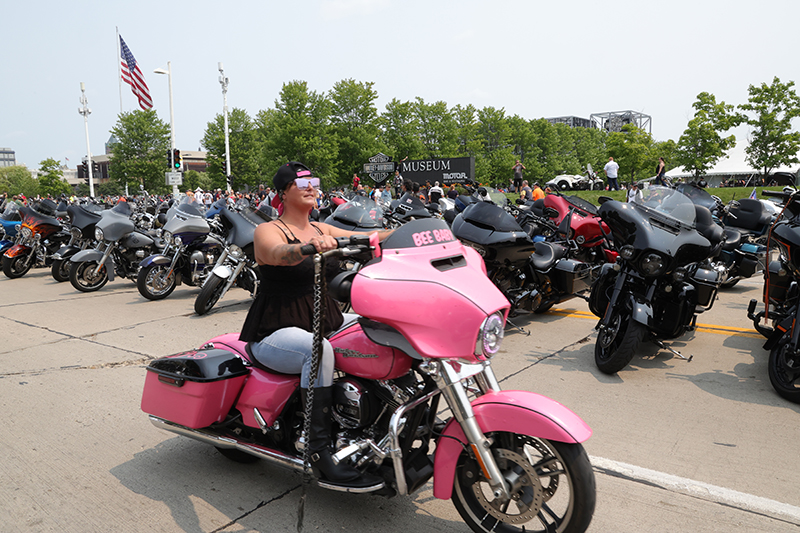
{"x":286,"y":298}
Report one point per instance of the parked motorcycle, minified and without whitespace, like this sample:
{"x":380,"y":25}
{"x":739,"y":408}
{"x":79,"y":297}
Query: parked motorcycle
{"x":236,"y":264}
{"x":120,"y":248}
{"x":507,"y":459}
{"x":744,"y":252}
{"x":534,"y":276}
{"x":10,"y":220}
{"x":782,"y":302}
{"x":40,"y":236}
{"x":662,"y":278}
{"x":81,"y":230}
{"x":360,"y":213}
{"x":190,"y":253}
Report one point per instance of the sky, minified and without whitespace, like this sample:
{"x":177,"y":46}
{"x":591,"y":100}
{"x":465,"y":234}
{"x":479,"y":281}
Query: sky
{"x":531,"y":58}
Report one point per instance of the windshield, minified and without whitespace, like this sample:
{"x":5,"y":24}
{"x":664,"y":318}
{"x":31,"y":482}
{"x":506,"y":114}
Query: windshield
{"x":10,"y":210}
{"x":485,"y":194}
{"x":373,"y":210}
{"x":191,"y":207}
{"x":667,"y":205}
{"x":697,"y":195}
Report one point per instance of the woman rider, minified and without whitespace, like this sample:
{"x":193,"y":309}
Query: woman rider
{"x":279,"y":323}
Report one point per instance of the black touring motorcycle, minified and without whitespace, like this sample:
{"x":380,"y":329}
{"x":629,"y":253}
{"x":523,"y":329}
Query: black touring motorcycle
{"x":782,"y":301}
{"x":662,"y":278}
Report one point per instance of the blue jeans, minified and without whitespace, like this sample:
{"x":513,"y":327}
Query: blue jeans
{"x":612,"y":184}
{"x":289,"y":351}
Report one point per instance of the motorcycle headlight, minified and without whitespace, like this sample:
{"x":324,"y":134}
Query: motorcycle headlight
{"x":167,"y":236}
{"x":235,"y":252}
{"x":490,"y":336}
{"x":98,"y":234}
{"x":652,"y":264}
{"x":26,"y":232}
{"x":177,"y":241}
{"x":627,"y":251}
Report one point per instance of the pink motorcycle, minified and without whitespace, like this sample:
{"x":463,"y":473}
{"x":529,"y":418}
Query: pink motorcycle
{"x":429,"y":323}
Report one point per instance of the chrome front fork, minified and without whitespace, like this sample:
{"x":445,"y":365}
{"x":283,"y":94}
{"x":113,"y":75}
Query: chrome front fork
{"x":449,"y":376}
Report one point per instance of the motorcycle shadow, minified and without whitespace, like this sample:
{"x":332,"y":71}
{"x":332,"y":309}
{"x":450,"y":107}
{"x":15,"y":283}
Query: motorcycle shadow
{"x":204,"y":491}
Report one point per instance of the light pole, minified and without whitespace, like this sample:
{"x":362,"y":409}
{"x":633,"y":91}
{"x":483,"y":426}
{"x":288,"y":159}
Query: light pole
{"x":168,"y":72}
{"x":224,"y":82}
{"x":85,"y":111}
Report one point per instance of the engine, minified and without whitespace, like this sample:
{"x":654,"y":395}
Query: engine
{"x":355,"y":405}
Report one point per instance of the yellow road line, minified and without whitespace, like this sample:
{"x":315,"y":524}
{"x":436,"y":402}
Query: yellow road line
{"x":707,"y":328}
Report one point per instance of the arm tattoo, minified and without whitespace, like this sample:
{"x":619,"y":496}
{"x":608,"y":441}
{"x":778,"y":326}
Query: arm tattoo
{"x":289,"y":254}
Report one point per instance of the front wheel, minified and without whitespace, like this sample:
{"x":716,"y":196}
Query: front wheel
{"x":82,"y":276}
{"x":209,"y":294}
{"x":156,"y":282}
{"x":16,"y":267}
{"x":551,"y":483}
{"x":617,"y":343}
{"x":60,"y":270}
{"x":784,"y":370}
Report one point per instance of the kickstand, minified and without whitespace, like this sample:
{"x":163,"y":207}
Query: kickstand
{"x":518,"y":328}
{"x":679,"y":354}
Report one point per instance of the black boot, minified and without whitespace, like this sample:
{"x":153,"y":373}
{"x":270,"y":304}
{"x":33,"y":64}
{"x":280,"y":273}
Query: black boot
{"x":319,"y":445}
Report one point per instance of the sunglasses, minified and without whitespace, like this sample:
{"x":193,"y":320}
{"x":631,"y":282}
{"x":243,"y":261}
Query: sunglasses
{"x":303,"y":183}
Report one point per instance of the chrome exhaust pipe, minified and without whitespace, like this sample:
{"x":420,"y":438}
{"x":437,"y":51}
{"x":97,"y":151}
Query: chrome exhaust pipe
{"x":262,"y":452}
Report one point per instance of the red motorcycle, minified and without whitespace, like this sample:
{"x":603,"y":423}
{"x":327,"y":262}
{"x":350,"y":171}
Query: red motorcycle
{"x":509,"y":460}
{"x":38,"y":238}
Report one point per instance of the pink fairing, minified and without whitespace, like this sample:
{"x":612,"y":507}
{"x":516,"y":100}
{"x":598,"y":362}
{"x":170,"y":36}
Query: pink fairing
{"x":437,"y":305}
{"x":268,"y":391}
{"x":521,"y":412}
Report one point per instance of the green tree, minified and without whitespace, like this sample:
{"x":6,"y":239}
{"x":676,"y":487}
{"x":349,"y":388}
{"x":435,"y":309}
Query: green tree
{"x":468,"y":139}
{"x":51,"y":178}
{"x":701,"y":145}
{"x":298,"y":130}
{"x":771,"y":109}
{"x":193,"y":179}
{"x":399,"y":127}
{"x":436,"y":129}
{"x":243,"y":151}
{"x":18,"y":180}
{"x":139,"y":156}
{"x":354,"y":122}
{"x":523,"y":138}
{"x":494,"y":163}
{"x":631,"y":149}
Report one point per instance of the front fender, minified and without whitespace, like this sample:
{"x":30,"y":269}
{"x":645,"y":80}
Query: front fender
{"x":87,"y":255}
{"x":17,"y":249}
{"x":155,"y":259}
{"x":222,"y":271}
{"x":522,"y":412}
{"x":641,"y":310}
{"x":65,"y":252}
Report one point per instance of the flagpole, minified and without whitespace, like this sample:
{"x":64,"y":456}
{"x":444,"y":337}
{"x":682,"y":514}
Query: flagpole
{"x":119,"y":71}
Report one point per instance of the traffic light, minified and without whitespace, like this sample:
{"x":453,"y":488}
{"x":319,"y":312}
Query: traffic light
{"x":176,"y":161}
{"x":96,"y":169}
{"x":85,"y":165}
{"x":169,"y":158}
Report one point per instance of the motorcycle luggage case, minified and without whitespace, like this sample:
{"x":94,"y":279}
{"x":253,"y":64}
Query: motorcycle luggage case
{"x":574,"y":276}
{"x":194,"y":389}
{"x":779,"y":280}
{"x":706,"y":282}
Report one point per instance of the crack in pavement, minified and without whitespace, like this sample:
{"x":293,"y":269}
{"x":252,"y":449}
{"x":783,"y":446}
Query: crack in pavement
{"x":253,"y":510}
{"x":557,"y":352}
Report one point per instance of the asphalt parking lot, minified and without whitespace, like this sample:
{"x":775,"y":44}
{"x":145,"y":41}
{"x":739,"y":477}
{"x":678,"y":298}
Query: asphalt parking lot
{"x":677,"y":446}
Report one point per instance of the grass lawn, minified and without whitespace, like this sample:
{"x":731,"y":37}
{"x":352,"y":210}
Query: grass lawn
{"x":726,"y":194}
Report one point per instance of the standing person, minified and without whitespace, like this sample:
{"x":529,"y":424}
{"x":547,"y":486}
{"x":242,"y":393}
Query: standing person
{"x":611,"y":169}
{"x":398,"y":183}
{"x":356,"y":182}
{"x":452,"y":193}
{"x":661,"y":169}
{"x":279,"y":326}
{"x":435,"y":193}
{"x":386,"y":196}
{"x":518,"y":168}
{"x":634,"y":194}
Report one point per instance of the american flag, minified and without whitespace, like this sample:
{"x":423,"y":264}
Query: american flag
{"x":132,"y":75}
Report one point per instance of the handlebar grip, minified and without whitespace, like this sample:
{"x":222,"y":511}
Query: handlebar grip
{"x":308,"y":249}
{"x":776,"y":194}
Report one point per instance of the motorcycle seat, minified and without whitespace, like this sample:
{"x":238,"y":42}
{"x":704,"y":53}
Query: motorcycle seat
{"x":750,"y":215}
{"x":733,"y":240}
{"x":706,"y":226}
{"x":547,"y":254}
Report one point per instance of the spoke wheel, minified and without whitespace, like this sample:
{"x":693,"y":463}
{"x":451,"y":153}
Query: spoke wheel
{"x":784,"y":370}
{"x":156,"y":282}
{"x":617,"y":344}
{"x":209,"y":294}
{"x":15,"y":267}
{"x":551,"y":484}
{"x":82,"y":276}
